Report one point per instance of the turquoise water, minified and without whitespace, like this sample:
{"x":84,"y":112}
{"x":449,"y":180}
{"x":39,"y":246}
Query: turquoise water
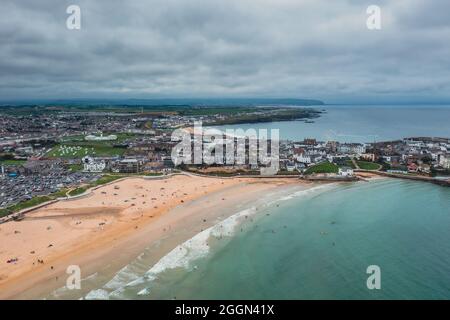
{"x":306,"y":244}
{"x":318,"y":246}
{"x":365,"y":123}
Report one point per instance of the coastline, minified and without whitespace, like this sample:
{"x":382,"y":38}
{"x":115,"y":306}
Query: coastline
{"x":111,"y":226}
{"x":376,"y":173}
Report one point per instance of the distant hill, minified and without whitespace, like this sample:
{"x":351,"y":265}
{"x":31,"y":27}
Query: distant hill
{"x":170,"y":102}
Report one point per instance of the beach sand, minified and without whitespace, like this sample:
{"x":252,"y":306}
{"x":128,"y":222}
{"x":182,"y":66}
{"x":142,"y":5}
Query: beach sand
{"x":113,"y":224}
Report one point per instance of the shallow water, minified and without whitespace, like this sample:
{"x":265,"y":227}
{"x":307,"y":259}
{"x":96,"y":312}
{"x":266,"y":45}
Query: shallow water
{"x":318,"y":244}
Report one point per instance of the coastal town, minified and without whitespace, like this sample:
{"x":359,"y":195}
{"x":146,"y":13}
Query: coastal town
{"x":44,"y":155}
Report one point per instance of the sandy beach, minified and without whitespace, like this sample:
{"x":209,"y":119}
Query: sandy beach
{"x":113,"y":224}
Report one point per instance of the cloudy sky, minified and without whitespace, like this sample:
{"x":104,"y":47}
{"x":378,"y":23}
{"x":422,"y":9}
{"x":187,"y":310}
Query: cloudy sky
{"x":228,"y":48}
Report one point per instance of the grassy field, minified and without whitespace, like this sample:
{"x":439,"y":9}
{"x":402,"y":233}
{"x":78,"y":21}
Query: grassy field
{"x":76,"y":167}
{"x":325,"y":167}
{"x":12,"y":162}
{"x":77,"y":191}
{"x":24,"y":204}
{"x":76,"y":147}
{"x":350,"y":164}
{"x":70,"y":151}
{"x":75,"y":138}
{"x":365,"y":165}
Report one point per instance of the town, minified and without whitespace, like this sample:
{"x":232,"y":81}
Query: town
{"x":60,"y":153}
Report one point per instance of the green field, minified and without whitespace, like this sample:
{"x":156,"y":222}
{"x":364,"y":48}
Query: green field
{"x":12,"y":162}
{"x":349,"y":163}
{"x":79,"y":150}
{"x":325,"y":167}
{"x":76,"y":147}
{"x":365,"y":165}
{"x":77,"y":191}
{"x":25,"y":204}
{"x":75,"y":167}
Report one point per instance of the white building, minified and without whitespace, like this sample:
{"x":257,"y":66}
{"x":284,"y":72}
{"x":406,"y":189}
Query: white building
{"x":91,"y":137}
{"x":308,"y":158}
{"x":351,"y":148}
{"x":444,"y":160}
{"x":304,"y":158}
{"x":91,"y":165}
{"x":346,"y":172}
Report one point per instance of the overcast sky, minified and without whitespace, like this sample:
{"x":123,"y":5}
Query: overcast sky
{"x":229,"y":48}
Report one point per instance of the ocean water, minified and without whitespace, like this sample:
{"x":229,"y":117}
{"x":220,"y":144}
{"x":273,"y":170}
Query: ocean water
{"x":314,"y":244}
{"x":364,"y":123}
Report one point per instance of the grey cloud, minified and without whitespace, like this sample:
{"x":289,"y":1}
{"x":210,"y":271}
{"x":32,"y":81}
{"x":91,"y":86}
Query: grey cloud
{"x":205,"y":48}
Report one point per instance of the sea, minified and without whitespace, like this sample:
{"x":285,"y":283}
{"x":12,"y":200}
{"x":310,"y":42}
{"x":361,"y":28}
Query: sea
{"x":363,"y":123}
{"x":317,"y":243}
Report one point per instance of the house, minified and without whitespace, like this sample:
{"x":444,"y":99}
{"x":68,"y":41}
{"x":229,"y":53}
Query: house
{"x":346,"y":172}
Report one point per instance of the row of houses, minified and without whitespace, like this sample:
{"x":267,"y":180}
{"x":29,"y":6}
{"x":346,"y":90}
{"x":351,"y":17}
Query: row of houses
{"x":414,"y":154}
{"x":126,"y":165}
{"x":310,"y":151}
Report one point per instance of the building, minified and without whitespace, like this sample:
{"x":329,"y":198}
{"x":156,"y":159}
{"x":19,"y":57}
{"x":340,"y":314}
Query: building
{"x":346,"y":172}
{"x":290,"y":166}
{"x":304,"y":158}
{"x":351,"y":148}
{"x":310,"y":142}
{"x":308,"y":158}
{"x":444,"y":160}
{"x":111,"y":137}
{"x":129,"y":166}
{"x":92,"y":165}
{"x":367,"y":157}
